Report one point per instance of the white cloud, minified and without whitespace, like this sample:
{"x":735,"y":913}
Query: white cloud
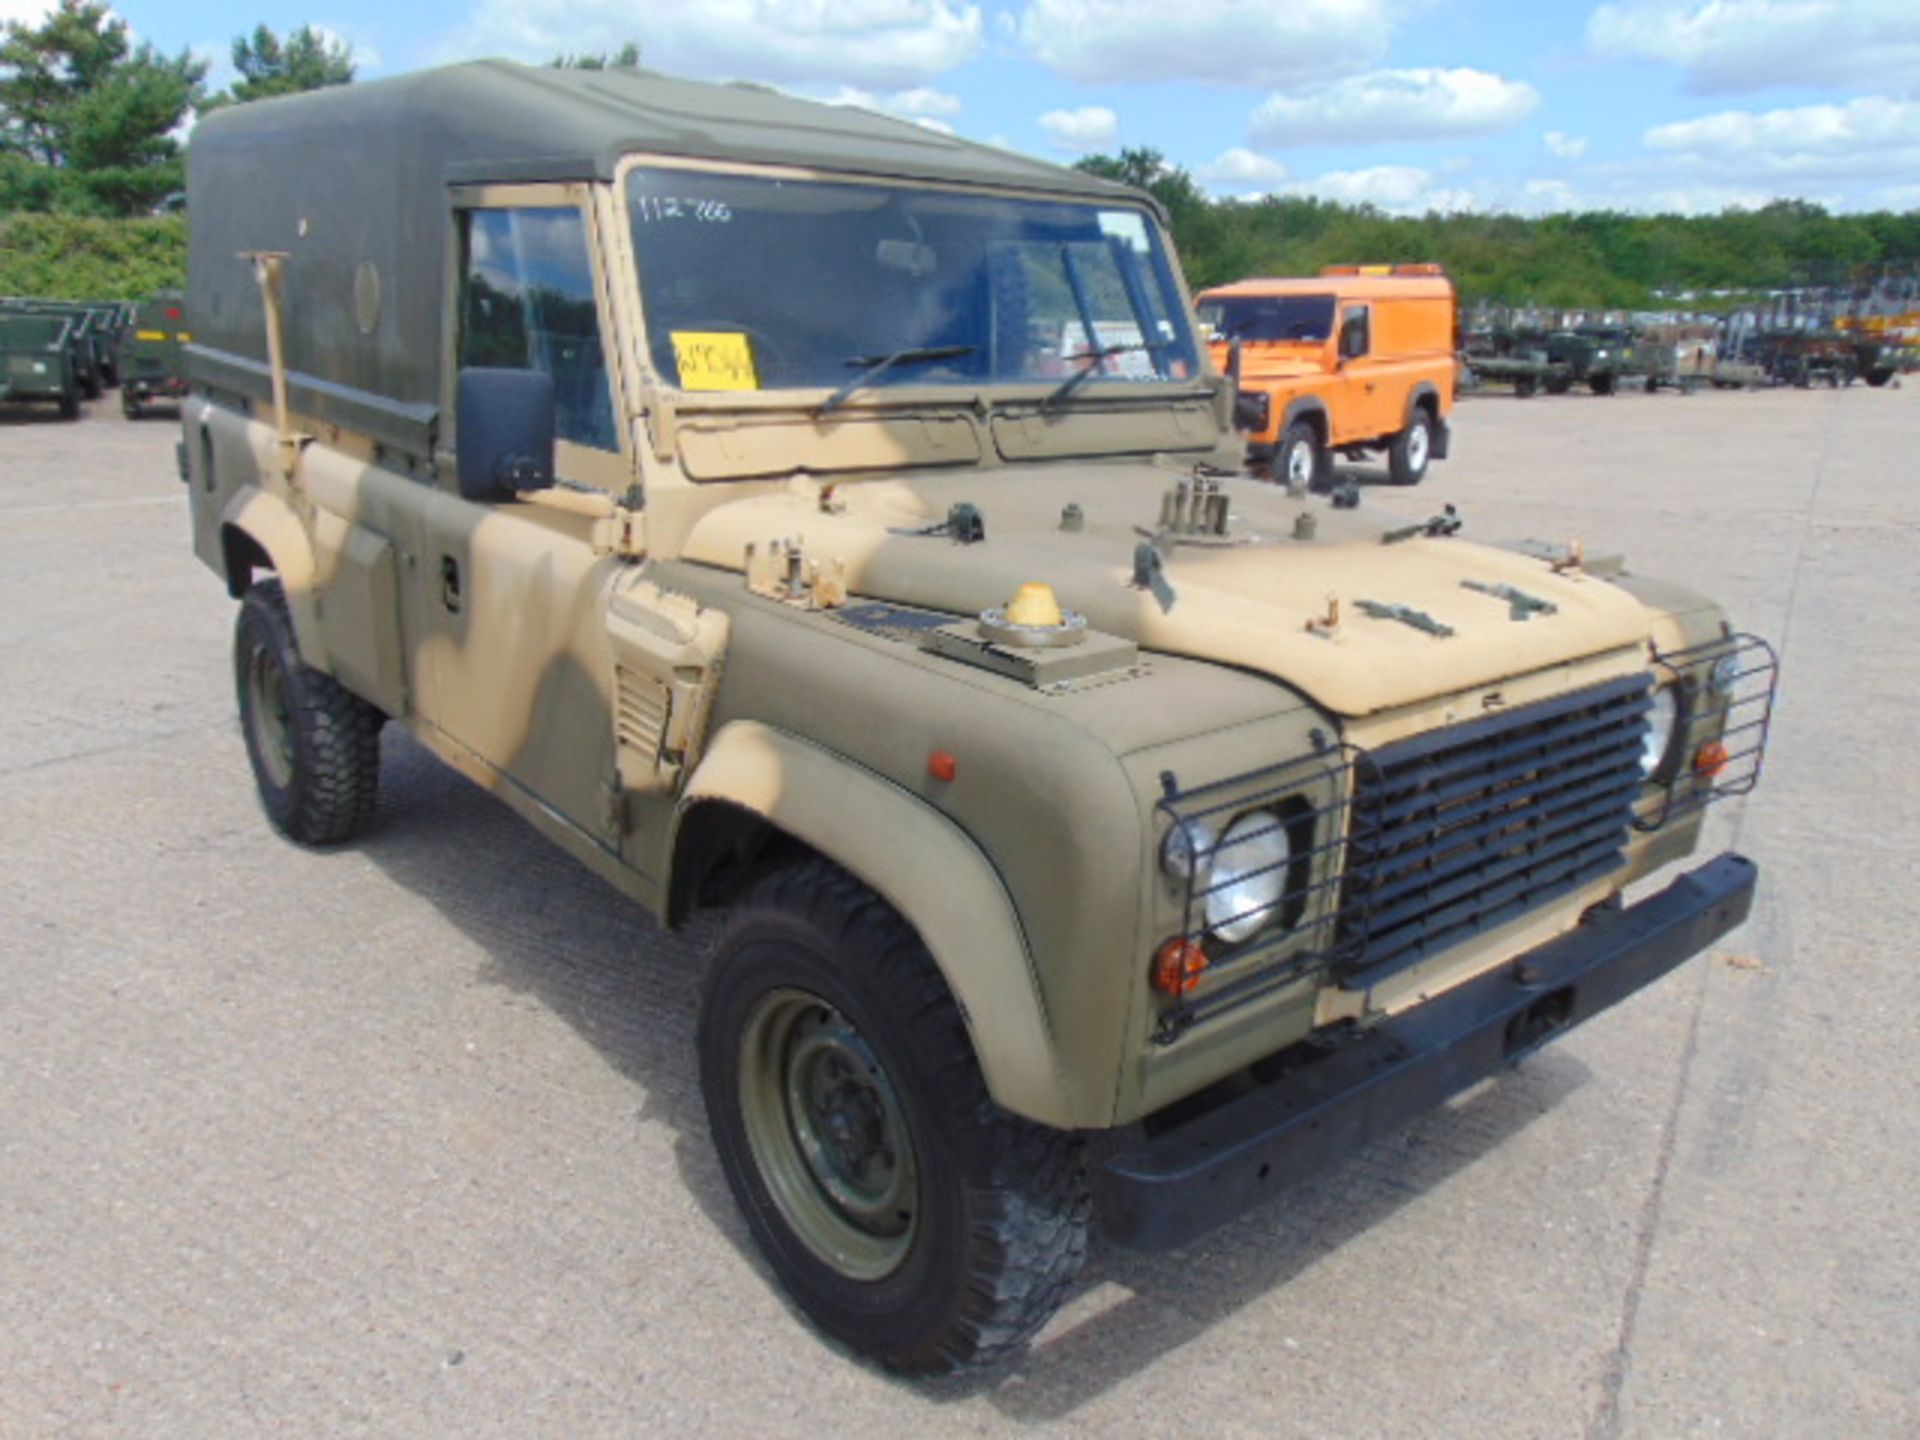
{"x":929,"y":107}
{"x":1733,"y":46}
{"x":1394,"y":105}
{"x":1563,"y":146}
{"x":1241,"y":170}
{"x":27,"y":12}
{"x":1227,"y":42}
{"x":1550,"y":195}
{"x":881,"y":44}
{"x":1398,"y":189}
{"x":1089,"y":127}
{"x":366,"y":55}
{"x":1871,"y":136}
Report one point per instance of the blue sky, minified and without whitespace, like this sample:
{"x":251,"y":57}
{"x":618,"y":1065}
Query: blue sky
{"x":1452,"y":104}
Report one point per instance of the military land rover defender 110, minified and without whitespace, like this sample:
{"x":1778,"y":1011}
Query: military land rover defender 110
{"x":790,"y":509}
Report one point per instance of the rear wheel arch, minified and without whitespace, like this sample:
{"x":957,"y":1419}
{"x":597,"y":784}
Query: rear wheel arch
{"x":261,"y":531}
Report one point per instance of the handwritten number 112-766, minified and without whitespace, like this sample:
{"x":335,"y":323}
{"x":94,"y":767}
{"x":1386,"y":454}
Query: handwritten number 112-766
{"x":670,"y":207}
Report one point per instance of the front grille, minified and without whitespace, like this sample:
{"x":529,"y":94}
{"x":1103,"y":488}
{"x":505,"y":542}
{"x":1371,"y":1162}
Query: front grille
{"x":1462,"y":829}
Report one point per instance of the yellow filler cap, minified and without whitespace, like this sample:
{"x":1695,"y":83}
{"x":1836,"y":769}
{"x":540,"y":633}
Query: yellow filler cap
{"x":1035,"y":605}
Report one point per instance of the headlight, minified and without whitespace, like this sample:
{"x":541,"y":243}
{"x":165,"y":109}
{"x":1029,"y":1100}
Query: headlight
{"x":1249,"y":876}
{"x":1661,"y":720}
{"x":1724,"y":675}
{"x":1186,"y":850}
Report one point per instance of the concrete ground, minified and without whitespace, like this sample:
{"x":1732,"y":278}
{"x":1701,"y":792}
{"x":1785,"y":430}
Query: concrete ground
{"x":405,"y":1138}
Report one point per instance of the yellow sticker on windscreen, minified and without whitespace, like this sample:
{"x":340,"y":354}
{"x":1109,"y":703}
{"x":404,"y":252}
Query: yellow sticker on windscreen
{"x":714,"y":360}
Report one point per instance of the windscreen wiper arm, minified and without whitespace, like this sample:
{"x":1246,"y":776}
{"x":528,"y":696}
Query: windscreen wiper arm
{"x":1096,"y":359}
{"x":874,"y":366}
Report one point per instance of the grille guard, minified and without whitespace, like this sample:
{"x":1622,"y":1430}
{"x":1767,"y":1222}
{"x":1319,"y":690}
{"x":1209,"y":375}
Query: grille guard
{"x":1737,"y":712}
{"x":1403,"y":852}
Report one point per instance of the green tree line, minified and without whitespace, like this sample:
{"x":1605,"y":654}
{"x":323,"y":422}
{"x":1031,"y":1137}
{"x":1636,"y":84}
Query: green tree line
{"x":1589,"y":259}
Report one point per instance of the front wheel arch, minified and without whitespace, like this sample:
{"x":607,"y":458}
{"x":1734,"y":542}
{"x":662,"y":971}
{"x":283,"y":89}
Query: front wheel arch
{"x":790,"y":798}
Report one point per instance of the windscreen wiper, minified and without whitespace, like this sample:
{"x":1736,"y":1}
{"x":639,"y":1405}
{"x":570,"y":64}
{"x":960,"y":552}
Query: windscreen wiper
{"x":1095,"y":359}
{"x":874,"y":366}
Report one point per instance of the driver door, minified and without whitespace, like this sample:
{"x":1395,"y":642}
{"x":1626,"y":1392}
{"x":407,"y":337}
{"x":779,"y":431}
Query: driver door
{"x":512,"y":661}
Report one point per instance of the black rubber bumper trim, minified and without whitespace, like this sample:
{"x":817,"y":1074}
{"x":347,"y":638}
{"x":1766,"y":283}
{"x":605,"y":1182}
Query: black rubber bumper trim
{"x":1164,"y":1190}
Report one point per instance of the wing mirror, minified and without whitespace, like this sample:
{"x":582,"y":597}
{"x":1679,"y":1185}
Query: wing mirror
{"x":1353,"y":337}
{"x":505,"y":434}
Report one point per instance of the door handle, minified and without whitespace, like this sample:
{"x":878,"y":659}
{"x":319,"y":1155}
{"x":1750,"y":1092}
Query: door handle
{"x":450,"y":584}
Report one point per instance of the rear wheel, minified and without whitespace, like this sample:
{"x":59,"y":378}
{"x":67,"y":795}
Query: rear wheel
{"x":69,"y":406}
{"x":1411,"y":449}
{"x":908,"y":1215}
{"x":129,"y":406}
{"x":313,"y":744}
{"x":1601,"y":384}
{"x":1524,"y":387}
{"x":1559,"y":385}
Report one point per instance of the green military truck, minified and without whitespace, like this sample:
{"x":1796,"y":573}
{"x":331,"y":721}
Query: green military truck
{"x":36,"y":353}
{"x":89,"y":339}
{"x":1599,"y":357}
{"x":152,"y":354}
{"x":737,"y":488}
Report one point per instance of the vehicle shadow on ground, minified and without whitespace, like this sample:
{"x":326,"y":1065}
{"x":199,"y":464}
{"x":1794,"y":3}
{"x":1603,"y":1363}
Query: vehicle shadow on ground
{"x":14,"y":414}
{"x":559,"y":934}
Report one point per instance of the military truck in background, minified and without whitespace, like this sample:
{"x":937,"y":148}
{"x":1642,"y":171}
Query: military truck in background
{"x":1358,"y":360}
{"x":1108,"y":837}
{"x":36,"y":361}
{"x":153,"y":361}
{"x":1597,"y":356}
{"x":91,"y":337}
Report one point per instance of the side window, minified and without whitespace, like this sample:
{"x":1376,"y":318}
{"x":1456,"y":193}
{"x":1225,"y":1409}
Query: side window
{"x":527,"y":302}
{"x":1356,"y":332}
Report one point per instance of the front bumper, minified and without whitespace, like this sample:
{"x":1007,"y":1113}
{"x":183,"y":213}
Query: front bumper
{"x":1325,"y":1100}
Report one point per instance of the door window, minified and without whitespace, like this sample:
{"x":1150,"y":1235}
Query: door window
{"x":527,"y":302}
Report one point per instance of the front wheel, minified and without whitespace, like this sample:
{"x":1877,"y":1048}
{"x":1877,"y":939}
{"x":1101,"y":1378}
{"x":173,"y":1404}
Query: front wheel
{"x":1298,"y":461}
{"x":313,"y":744}
{"x":1411,"y":449}
{"x":1601,"y":384}
{"x":907,"y":1214}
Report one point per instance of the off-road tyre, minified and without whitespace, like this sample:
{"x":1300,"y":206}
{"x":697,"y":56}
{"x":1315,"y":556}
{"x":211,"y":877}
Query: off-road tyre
{"x":69,"y":406}
{"x":1524,"y":387}
{"x":1410,"y":452}
{"x":1602,"y":384}
{"x":1878,"y":378}
{"x":313,"y":744}
{"x":129,"y":406}
{"x":1299,"y":459}
{"x":1559,"y":385}
{"x":982,"y":1243}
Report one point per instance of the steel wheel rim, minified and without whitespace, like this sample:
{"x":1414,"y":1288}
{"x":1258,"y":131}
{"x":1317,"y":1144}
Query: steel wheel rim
{"x":1417,"y":448}
{"x":828,"y":1134}
{"x":267,"y":713}
{"x":1300,"y":465}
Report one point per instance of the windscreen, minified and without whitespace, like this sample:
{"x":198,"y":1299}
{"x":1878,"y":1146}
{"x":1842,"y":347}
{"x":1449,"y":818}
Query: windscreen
{"x":758,"y":283}
{"x":1268,"y":317}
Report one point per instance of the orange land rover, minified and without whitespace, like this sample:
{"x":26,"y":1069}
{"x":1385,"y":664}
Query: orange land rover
{"x":1358,"y":359}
